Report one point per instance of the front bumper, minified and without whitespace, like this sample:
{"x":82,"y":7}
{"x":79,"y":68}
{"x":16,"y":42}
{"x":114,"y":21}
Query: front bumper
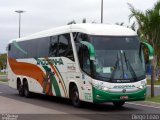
{"x":100,"y":96}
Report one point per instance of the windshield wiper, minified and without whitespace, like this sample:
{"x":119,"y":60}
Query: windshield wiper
{"x":130,"y":67}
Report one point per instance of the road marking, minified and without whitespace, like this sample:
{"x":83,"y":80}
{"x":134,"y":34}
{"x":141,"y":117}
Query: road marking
{"x":143,"y":105}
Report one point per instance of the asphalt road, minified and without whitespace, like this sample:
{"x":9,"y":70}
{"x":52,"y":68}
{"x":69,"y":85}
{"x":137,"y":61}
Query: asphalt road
{"x":42,"y":107}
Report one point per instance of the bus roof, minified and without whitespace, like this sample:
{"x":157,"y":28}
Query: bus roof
{"x":87,"y":28}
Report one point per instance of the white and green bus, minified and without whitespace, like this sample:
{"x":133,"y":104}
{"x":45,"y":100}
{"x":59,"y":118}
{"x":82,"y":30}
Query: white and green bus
{"x":83,"y":62}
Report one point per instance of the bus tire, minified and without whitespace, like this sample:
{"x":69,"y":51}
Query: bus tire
{"x":119,"y":104}
{"x":75,"y":97}
{"x":20,"y":88}
{"x":27,"y":94}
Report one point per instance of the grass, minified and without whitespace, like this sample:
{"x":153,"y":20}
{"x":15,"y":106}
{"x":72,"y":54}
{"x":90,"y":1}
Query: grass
{"x":3,"y":80}
{"x":2,"y":73}
{"x":157,"y":82}
{"x":154,"y":99}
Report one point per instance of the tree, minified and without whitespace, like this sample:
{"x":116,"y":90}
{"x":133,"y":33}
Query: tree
{"x":149,"y":29}
{"x":3,"y":61}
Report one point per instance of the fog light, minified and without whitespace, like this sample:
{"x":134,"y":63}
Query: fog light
{"x":98,"y":96}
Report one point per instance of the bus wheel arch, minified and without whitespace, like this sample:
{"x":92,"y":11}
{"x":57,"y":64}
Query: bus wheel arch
{"x":74,"y":95}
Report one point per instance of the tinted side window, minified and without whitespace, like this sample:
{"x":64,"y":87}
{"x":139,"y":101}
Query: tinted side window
{"x":43,"y":47}
{"x":31,"y":48}
{"x":17,"y":50}
{"x":82,"y":37}
{"x":9,"y":47}
{"x":53,"y":49}
{"x":65,"y":46}
{"x":10,"y":52}
{"x":22,"y":50}
{"x":84,"y":60}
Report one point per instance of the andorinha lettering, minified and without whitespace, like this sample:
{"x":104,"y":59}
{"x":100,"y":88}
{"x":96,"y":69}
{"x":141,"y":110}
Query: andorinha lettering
{"x":48,"y":61}
{"x":124,"y":86}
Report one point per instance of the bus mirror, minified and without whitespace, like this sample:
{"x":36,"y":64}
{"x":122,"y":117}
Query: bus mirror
{"x":90,"y":49}
{"x":150,"y":49}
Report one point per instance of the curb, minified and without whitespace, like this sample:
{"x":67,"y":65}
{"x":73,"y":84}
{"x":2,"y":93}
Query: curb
{"x":158,"y":86}
{"x":152,"y":102}
{"x":4,"y":83}
{"x":146,"y":103}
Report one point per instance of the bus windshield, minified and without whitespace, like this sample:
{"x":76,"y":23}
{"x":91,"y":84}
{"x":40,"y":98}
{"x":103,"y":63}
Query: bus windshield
{"x":118,"y":59}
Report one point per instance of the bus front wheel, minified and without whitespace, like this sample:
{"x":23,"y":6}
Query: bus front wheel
{"x":75,"y":97}
{"x":118,"y":104}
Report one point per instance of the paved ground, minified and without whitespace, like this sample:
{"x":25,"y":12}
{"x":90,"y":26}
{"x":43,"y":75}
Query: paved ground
{"x":41,"y":107}
{"x":156,"y":90}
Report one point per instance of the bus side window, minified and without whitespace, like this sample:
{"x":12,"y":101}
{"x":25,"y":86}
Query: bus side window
{"x":9,"y":47}
{"x":53,"y":49}
{"x":84,"y":60}
{"x":83,"y":53}
{"x":69,"y":53}
{"x":10,"y":51}
{"x":82,"y":37}
{"x":43,"y":47}
{"x":65,"y":46}
{"x":32,"y":48}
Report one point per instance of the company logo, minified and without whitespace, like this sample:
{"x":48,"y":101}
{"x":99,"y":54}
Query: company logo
{"x":50,"y":61}
{"x":123,"y":86}
{"x":124,"y":90}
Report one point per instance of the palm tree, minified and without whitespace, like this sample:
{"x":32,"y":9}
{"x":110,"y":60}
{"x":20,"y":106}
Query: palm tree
{"x":149,"y":30}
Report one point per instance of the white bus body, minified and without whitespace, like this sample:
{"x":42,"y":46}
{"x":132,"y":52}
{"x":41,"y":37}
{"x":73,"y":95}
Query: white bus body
{"x":49,"y":63}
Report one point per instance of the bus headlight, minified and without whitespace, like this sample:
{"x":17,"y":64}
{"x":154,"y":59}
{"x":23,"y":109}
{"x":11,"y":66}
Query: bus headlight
{"x":105,"y":88}
{"x":140,"y":87}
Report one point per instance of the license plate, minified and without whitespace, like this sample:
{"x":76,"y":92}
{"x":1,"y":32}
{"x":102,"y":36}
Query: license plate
{"x":124,"y":97}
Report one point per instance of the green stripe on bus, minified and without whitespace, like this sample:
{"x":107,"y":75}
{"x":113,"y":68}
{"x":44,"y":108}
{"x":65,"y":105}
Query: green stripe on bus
{"x":61,"y":78}
{"x":53,"y":81}
{"x":100,"y":96}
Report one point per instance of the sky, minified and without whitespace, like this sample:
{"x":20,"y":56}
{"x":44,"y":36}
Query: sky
{"x":45,"y":14}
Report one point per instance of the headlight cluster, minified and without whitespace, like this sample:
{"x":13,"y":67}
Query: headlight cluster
{"x":105,"y":88}
{"x":141,"y":87}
